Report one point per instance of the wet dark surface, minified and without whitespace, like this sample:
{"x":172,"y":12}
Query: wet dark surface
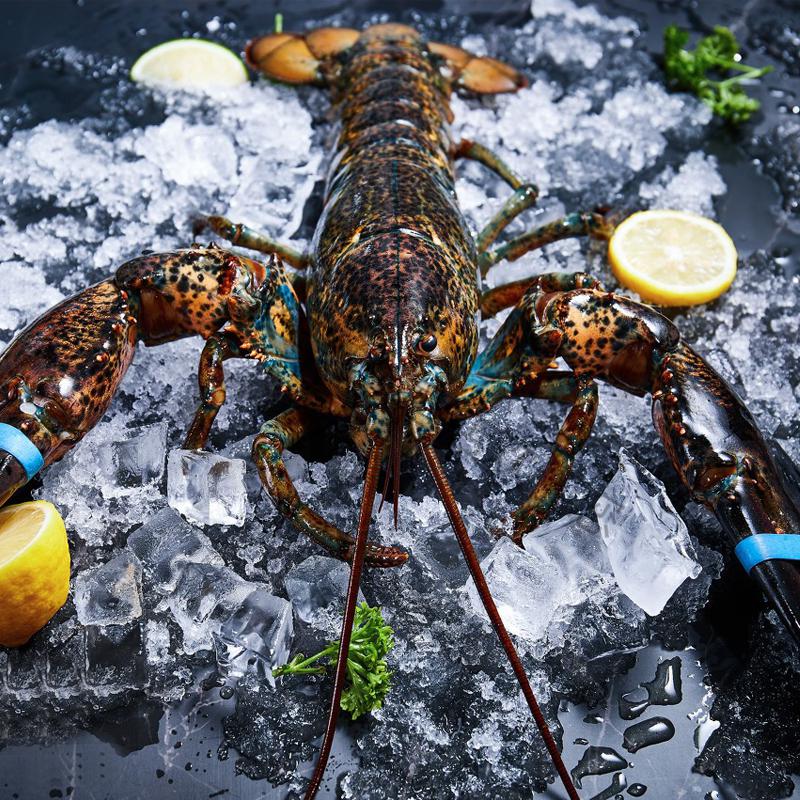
{"x":144,"y":751}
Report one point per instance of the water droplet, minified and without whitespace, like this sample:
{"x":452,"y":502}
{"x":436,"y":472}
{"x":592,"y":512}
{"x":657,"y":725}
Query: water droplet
{"x":646,"y":733}
{"x":618,"y":784}
{"x":593,"y":719}
{"x":664,"y":690}
{"x":226,"y":692}
{"x":581,"y":740}
{"x":637,"y":789}
{"x":597,"y":761}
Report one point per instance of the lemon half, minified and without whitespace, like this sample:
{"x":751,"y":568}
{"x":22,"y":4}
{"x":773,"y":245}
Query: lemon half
{"x":34,"y":569}
{"x":673,"y":258}
{"x":189,"y":63}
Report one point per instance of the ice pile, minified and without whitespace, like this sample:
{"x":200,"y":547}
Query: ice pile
{"x":647,"y":542}
{"x":207,"y":489}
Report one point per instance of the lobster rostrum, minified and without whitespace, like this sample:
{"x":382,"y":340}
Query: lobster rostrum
{"x":377,"y":325}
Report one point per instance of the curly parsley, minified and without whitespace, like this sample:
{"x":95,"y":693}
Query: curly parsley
{"x":368,"y":677}
{"x":703,"y":71}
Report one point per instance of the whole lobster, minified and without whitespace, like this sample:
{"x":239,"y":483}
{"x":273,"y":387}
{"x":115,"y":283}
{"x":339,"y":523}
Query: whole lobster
{"x":383,"y":329}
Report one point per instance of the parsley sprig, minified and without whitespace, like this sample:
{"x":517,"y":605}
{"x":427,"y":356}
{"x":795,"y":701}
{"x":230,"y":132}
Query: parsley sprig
{"x":703,"y":71}
{"x":368,"y":677}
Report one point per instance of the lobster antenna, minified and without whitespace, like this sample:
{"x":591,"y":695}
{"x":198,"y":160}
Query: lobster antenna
{"x":471,"y":558}
{"x":395,"y":455}
{"x":393,"y":462}
{"x":367,"y":499}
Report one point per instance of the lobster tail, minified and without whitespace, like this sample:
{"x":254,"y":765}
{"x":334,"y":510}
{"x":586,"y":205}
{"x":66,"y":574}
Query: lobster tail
{"x":295,"y":58}
{"x":446,"y":493}
{"x":359,"y":551}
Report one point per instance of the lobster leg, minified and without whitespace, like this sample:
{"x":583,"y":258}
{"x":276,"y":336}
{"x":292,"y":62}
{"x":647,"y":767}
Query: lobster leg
{"x":242,"y":236}
{"x":509,"y":294}
{"x":569,"y":441}
{"x":591,"y":223}
{"x":285,"y":431}
{"x":211,"y":378}
{"x":524,"y":196}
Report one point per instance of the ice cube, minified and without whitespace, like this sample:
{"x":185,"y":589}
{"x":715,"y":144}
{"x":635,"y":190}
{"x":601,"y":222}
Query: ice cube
{"x":110,"y":594}
{"x":256,"y":637}
{"x":132,"y":462}
{"x":115,"y":657}
{"x":536,"y":589}
{"x":317,"y":587}
{"x":204,"y":597}
{"x":647,"y":542}
{"x":207,"y":489}
{"x":165,"y":543}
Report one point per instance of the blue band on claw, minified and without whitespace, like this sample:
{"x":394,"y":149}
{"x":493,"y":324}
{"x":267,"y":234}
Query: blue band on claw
{"x":22,"y":448}
{"x":766,"y":546}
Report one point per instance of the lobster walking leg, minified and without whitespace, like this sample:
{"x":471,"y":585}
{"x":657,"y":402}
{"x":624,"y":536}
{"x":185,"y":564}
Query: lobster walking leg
{"x":242,"y":236}
{"x":285,"y":431}
{"x":509,"y":294}
{"x":211,"y":378}
{"x":570,"y":439}
{"x":525,"y":194}
{"x":591,"y":223}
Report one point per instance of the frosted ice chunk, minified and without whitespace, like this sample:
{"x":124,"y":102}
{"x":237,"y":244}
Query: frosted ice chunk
{"x":647,"y":542}
{"x":692,"y":188}
{"x":26,"y":294}
{"x":206,"y":488}
{"x":204,"y":597}
{"x":317,"y":587}
{"x":166,"y":543}
{"x":132,"y":462}
{"x":537,"y":589}
{"x":256,"y":637}
{"x":110,"y":594}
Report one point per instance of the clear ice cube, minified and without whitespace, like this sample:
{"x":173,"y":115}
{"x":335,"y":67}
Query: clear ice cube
{"x":256,"y":637}
{"x":132,"y":462}
{"x":537,"y":588}
{"x":205,"y":596}
{"x":166,"y":543}
{"x":110,"y":594}
{"x":206,"y":488}
{"x":316,"y":588}
{"x":646,"y":541}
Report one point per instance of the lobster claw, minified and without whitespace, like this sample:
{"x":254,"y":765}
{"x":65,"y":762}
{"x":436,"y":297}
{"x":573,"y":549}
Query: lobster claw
{"x":780,"y":578}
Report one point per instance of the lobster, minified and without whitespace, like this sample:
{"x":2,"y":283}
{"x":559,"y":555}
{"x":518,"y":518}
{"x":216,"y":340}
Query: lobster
{"x":378,"y":325}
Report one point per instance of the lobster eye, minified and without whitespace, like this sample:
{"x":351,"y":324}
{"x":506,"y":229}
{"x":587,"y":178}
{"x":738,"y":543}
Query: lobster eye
{"x":427,"y":343}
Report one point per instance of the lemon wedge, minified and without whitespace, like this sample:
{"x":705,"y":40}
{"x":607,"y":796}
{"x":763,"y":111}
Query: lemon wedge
{"x":34,"y":569}
{"x":672,"y":258}
{"x":189,"y":64}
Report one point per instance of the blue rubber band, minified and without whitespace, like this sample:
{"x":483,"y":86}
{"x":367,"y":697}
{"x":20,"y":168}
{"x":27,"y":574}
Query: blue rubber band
{"x":766,"y":546}
{"x":22,"y":448}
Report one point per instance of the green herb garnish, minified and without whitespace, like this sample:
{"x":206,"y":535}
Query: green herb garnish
{"x":367,"y":674}
{"x":703,"y":71}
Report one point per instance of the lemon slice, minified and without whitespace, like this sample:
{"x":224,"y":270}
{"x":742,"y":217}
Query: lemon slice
{"x":34,"y":569}
{"x":189,"y":63}
{"x":672,"y":258}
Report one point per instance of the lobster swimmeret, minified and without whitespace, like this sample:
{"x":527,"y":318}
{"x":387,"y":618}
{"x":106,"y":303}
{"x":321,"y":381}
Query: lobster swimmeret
{"x":383,"y":329}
